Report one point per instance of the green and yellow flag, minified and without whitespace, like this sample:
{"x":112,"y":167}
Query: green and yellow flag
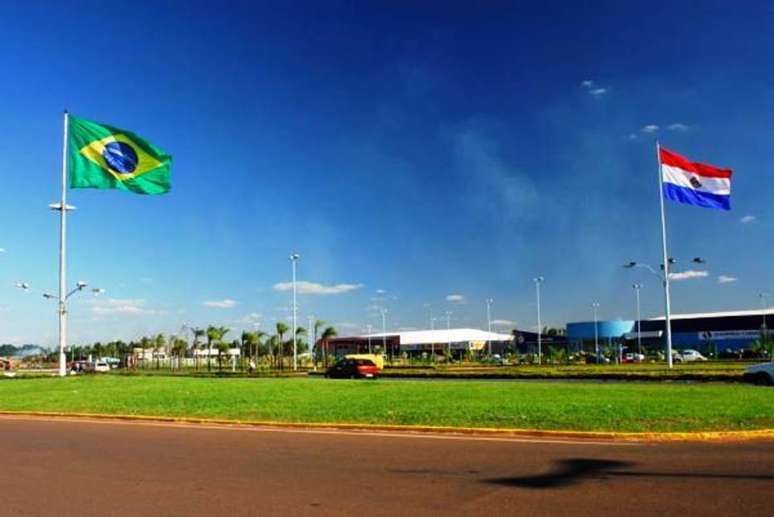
{"x":102,"y":156}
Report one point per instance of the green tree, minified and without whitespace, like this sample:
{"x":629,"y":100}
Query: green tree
{"x":179,"y":347}
{"x":301,"y":344}
{"x":328,"y":333}
{"x":318,"y":324}
{"x":272,"y":345}
{"x":281,"y":329}
{"x":159,"y":345}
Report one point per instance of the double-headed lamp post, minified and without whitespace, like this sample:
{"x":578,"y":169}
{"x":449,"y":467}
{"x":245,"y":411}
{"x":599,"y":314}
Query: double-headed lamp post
{"x":79,"y":286}
{"x":293,"y":259}
{"x":637,"y":286}
{"x":764,"y":306}
{"x":665,"y":268}
{"x":539,"y":280}
{"x":489,"y":302}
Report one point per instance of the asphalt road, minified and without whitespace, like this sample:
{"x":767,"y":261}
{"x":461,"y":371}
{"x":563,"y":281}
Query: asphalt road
{"x":87,"y":468}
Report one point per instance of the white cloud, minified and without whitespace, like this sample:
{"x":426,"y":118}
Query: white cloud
{"x":502,"y":323}
{"x":725,"y":279}
{"x":748,"y":219}
{"x":650,"y":128}
{"x":632,"y":136}
{"x":2,"y":250}
{"x":380,"y":291}
{"x":253,"y":318}
{"x":688,"y":275}
{"x":220,"y":304}
{"x":677,"y":126}
{"x":303,"y":287}
{"x":108,"y":306}
{"x":406,"y":329}
{"x":593,"y":88}
{"x":456,"y":298}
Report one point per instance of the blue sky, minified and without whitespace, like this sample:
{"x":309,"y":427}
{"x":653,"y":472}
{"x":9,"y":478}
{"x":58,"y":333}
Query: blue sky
{"x":407,"y":153}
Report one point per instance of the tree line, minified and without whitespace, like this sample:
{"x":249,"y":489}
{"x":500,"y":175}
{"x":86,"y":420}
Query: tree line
{"x":273,"y":348}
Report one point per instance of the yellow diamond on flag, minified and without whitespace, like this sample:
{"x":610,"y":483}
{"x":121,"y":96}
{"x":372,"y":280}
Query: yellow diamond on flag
{"x":120,"y":156}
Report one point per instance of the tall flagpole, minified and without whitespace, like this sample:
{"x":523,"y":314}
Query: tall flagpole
{"x":62,"y":256}
{"x":667,"y":307}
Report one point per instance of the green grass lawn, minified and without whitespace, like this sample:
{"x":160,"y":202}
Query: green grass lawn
{"x":577,"y":405}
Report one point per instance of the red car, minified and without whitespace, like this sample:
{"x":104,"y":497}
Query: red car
{"x":353,"y":369}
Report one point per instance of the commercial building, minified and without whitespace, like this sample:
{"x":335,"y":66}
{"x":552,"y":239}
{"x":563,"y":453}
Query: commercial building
{"x":417,"y":342}
{"x":711,"y":332}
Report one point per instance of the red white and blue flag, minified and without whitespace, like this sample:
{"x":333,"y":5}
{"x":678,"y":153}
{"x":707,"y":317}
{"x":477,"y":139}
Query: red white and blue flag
{"x":695,"y":183}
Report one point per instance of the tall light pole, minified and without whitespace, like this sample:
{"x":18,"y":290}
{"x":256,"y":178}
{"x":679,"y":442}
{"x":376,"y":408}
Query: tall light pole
{"x":448,"y":335}
{"x":595,"y":305}
{"x":764,"y":306}
{"x":293,"y":259}
{"x":62,"y":303}
{"x":383,"y":311}
{"x":539,"y":280}
{"x":637,"y":286}
{"x":489,"y":302}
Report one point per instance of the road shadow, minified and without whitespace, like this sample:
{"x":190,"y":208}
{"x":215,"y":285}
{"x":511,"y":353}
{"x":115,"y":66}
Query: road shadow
{"x":567,"y":472}
{"x":572,"y":471}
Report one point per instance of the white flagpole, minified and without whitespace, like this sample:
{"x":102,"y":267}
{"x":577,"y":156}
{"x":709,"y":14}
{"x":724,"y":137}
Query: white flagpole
{"x":62,"y":257}
{"x":667,"y":306}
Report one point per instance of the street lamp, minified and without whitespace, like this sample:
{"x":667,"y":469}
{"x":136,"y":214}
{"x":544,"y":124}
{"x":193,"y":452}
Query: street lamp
{"x":489,"y":303}
{"x":383,"y":312}
{"x":764,"y":306}
{"x":539,"y":280}
{"x":667,"y":304}
{"x":293,"y":259}
{"x":637,"y":286}
{"x":595,"y":306}
{"x":79,"y":286}
{"x":448,"y":335}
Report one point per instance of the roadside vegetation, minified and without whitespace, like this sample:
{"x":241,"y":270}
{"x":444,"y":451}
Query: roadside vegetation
{"x":583,"y":406}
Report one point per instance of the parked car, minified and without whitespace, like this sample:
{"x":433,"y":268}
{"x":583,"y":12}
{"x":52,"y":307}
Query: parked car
{"x":353,"y":369}
{"x":762,"y":374}
{"x":101,"y":367}
{"x":688,"y":355}
{"x":631,"y":357}
{"x":592,"y":359}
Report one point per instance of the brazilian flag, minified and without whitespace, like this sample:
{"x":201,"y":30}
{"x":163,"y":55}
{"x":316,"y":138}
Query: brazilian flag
{"x":102,"y":156}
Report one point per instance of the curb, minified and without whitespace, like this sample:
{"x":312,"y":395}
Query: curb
{"x":700,"y":436}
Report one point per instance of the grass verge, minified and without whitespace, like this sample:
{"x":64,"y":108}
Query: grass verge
{"x":577,"y":406}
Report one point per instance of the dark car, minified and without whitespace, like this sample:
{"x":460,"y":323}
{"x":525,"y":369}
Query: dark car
{"x":353,"y":369}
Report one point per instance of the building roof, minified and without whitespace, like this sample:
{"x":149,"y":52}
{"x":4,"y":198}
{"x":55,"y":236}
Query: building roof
{"x":418,"y":337}
{"x":727,"y":314}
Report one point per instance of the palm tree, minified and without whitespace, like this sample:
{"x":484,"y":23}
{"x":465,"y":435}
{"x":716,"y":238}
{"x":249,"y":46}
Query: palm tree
{"x":179,"y":346}
{"x":272,"y":343}
{"x":318,"y":324}
{"x":221,"y":345}
{"x":257,"y":341}
{"x":197,"y":333}
{"x":159,"y":343}
{"x":281,"y":329}
{"x":300,"y":345}
{"x":145,"y":344}
{"x":327,"y":334}
{"x":212,"y":336}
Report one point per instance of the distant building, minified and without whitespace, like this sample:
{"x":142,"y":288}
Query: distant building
{"x":707,"y":332}
{"x":418,"y":342}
